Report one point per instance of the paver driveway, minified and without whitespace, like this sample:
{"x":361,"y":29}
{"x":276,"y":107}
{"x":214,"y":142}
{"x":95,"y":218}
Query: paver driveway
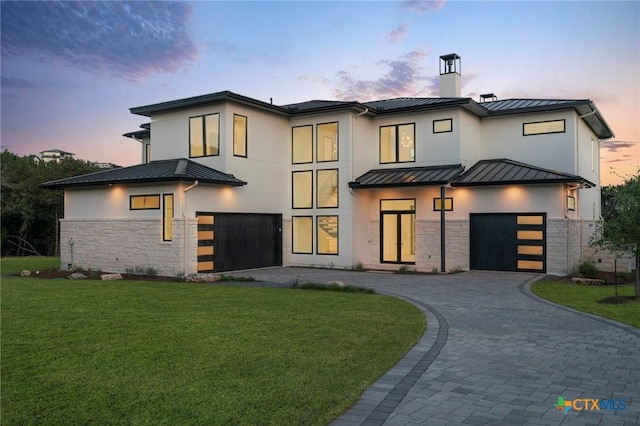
{"x":493,"y":354}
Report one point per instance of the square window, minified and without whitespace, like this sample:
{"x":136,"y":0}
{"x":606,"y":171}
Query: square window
{"x":397,"y":143}
{"x":448,"y":204}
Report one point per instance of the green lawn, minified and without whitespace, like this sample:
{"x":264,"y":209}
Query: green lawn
{"x":10,"y":265}
{"x":127,"y":352}
{"x":585,"y":298}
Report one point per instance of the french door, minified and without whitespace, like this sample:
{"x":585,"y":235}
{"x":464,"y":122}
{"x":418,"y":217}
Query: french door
{"x":397,"y":223}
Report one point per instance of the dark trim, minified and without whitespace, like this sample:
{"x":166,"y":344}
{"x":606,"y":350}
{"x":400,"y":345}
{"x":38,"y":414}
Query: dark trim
{"x":437,"y":199}
{"x":564,"y":127}
{"x":450,"y":120}
{"x":164,"y":210}
{"x":318,"y":235}
{"x":131,"y":197}
{"x":293,"y":191}
{"x":246,"y":136}
{"x":337,"y":123}
{"x":318,"y":188}
{"x":204,"y":135}
{"x":398,"y":233}
{"x":311,"y":142}
{"x":397,"y":143}
{"x":293,"y":237}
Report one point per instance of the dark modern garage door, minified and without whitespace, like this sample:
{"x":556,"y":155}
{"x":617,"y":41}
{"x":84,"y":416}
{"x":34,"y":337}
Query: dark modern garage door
{"x":231,"y":241}
{"x":508,"y":242}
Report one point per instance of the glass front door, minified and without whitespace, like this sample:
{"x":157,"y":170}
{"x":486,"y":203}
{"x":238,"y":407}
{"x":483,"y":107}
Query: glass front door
{"x":398,"y":231}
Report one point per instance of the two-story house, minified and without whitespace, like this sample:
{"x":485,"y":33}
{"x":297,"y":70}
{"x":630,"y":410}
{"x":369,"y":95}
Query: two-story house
{"x":229,"y":182}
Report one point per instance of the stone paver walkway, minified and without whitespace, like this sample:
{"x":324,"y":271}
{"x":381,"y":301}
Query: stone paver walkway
{"x":493,"y":354}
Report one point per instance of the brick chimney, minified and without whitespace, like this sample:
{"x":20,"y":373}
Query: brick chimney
{"x":450,"y":76}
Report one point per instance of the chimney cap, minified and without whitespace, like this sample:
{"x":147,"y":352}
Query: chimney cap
{"x":488,"y":97}
{"x":449,"y":56}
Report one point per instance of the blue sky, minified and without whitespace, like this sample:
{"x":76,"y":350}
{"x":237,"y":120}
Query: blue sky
{"x":71,"y":70}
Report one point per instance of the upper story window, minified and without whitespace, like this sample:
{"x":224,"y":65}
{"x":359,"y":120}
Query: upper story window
{"x":397,"y":143}
{"x":443,"y":126}
{"x":302,"y":144}
{"x":204,"y":135}
{"x":327,"y":142}
{"x":147,"y":152}
{"x":239,"y":135}
{"x":542,"y":127}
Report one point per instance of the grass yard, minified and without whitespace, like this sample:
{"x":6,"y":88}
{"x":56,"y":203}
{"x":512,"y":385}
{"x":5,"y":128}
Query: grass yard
{"x":585,"y":298}
{"x":133,"y":352}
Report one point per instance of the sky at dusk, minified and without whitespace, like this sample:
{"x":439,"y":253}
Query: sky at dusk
{"x":71,"y":70}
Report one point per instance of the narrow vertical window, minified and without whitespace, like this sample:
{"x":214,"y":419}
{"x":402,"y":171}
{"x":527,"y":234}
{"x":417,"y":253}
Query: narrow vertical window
{"x":204,"y":135}
{"x":327,"y":234}
{"x":167,"y":217}
{"x":302,"y":144}
{"x":239,"y":135}
{"x":327,"y":142}
{"x":327,"y":190}
{"x":147,"y":152}
{"x":302,"y":183}
{"x":302,"y":232}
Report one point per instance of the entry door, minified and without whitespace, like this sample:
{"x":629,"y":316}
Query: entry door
{"x":398,"y":239}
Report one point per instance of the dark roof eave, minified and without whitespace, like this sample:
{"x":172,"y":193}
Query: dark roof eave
{"x":209,"y":99}
{"x":585,"y":182}
{"x":356,"y":185}
{"x":54,"y":185}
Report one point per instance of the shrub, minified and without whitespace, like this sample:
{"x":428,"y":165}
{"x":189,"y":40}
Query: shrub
{"x":588,"y":269}
{"x":335,"y":287}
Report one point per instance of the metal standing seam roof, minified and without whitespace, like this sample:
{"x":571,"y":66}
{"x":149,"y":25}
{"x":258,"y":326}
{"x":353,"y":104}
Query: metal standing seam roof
{"x":509,"y":172}
{"x":180,"y":169}
{"x":408,"y":176}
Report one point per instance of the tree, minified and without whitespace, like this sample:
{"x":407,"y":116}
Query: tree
{"x":29,"y":213}
{"x":619,"y":229}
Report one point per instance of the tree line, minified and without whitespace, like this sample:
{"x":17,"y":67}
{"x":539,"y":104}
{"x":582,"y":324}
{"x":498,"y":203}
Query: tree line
{"x":30,"y":214}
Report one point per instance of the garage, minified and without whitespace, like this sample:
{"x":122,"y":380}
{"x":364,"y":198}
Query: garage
{"x":508,"y":242}
{"x":232,"y":241}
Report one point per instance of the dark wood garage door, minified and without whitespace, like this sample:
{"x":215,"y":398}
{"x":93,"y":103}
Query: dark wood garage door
{"x":232,"y":241}
{"x":508,"y":242}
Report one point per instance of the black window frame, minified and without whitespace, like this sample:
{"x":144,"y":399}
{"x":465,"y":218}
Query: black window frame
{"x":292,"y":144}
{"x":397,"y":143}
{"x":450,"y":120}
{"x":564,"y":127}
{"x":131,"y":197}
{"x":204,"y":135}
{"x":246,"y":136}
{"x":317,"y":182}
{"x":293,"y":237}
{"x":293,"y":192}
{"x":337,"y":253}
{"x":337,"y":123}
{"x":164,"y":216}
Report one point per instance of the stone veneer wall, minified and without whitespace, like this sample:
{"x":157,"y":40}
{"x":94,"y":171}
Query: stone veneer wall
{"x":287,"y":242}
{"x":121,"y":244}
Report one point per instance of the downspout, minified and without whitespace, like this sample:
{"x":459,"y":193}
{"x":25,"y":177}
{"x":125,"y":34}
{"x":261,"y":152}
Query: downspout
{"x":184,"y":219}
{"x":442,"y":231}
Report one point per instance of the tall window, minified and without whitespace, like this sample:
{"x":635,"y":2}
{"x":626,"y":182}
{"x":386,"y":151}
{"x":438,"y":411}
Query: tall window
{"x":302,"y":183}
{"x":204,"y":135}
{"x":302,"y":144}
{"x":167,"y":217}
{"x":302,"y":231}
{"x":327,"y":234}
{"x":327,"y":142}
{"x":147,"y":152}
{"x":397,"y":143}
{"x":327,"y":191}
{"x":239,"y":135}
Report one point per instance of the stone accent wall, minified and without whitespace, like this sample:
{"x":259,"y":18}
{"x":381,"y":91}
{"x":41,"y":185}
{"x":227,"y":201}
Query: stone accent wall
{"x":126,"y":244}
{"x":458,"y":246}
{"x":374,"y":237}
{"x":287,"y":241}
{"x":568,"y":246}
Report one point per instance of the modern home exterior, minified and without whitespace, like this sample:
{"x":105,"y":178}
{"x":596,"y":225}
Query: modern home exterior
{"x":229,"y":182}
